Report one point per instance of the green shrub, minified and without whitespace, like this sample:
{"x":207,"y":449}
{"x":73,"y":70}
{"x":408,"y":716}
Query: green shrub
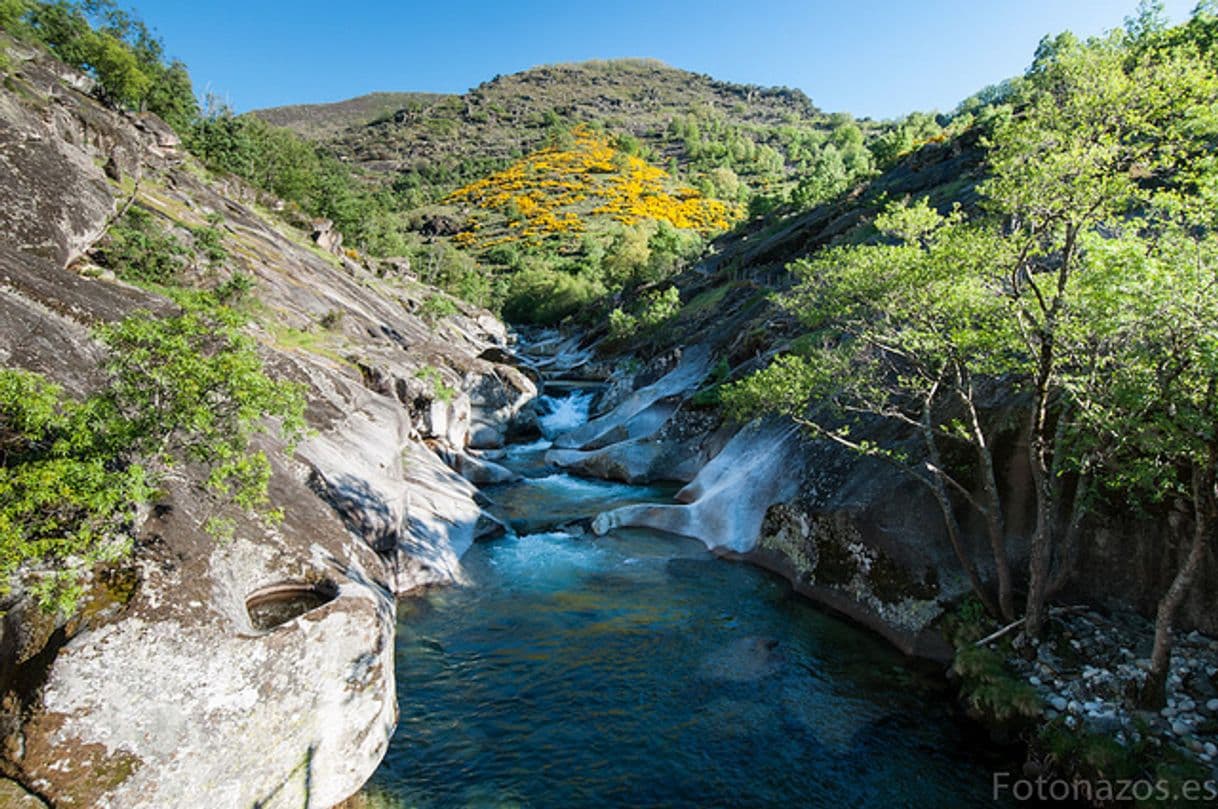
{"x":453,"y":271}
{"x":659,"y":307}
{"x":622,"y":324}
{"x":991,"y":688}
{"x":141,"y":251}
{"x":188,"y":387}
{"x":437,"y":307}
{"x":332,"y":319}
{"x":656,"y":308}
{"x":544,"y":297}
{"x":209,"y":242}
{"x":65,"y":504}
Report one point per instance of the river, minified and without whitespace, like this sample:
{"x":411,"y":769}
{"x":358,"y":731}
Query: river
{"x":636,"y":669}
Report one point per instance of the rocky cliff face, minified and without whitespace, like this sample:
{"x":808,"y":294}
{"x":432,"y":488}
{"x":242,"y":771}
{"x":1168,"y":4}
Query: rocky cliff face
{"x":256,"y":671}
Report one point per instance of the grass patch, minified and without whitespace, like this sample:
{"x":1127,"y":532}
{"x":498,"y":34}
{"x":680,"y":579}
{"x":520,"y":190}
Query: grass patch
{"x":441,"y":391}
{"x":321,"y":344}
{"x":707,"y":301}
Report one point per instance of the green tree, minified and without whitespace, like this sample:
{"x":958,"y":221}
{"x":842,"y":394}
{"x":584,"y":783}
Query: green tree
{"x":172,"y":97}
{"x":823,"y":180}
{"x":1073,"y":161}
{"x":139,"y":249}
{"x":907,"y":331}
{"x":1144,"y":378}
{"x":66,"y":503}
{"x":188,"y":387}
{"x":545,"y":296}
{"x":119,"y":75}
{"x":1110,"y":132}
{"x":628,"y":254}
{"x":13,"y":13}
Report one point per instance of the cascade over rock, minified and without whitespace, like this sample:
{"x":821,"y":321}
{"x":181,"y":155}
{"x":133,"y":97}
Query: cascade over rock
{"x":726,"y":503}
{"x":642,"y":412}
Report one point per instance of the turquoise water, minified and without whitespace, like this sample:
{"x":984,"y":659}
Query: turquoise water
{"x":637,"y":670}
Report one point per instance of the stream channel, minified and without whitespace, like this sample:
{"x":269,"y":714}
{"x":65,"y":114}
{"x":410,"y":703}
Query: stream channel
{"x":637,"y":669}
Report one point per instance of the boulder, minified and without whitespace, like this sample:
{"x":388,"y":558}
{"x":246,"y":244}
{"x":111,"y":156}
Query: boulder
{"x":175,"y":691}
{"x":495,"y":400}
{"x":444,"y":520}
{"x":447,"y":420}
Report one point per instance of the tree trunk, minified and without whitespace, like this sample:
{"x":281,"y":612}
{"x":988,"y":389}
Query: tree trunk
{"x":937,"y":486}
{"x":1039,"y":450}
{"x":995,"y":524}
{"x":1042,"y":535}
{"x":1154,"y":692}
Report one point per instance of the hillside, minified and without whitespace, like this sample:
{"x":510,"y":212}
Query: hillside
{"x":152,"y":260}
{"x":539,"y":192}
{"x":687,"y":122}
{"x":325,"y":120}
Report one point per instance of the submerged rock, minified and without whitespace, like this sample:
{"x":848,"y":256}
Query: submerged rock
{"x":644,"y":411}
{"x":744,"y":660}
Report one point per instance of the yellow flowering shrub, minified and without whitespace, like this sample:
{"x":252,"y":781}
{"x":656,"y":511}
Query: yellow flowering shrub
{"x":549,"y":194}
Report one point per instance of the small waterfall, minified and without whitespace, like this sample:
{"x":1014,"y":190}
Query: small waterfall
{"x":560,"y":415}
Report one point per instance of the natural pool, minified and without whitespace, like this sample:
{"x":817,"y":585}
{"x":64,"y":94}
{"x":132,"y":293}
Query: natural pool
{"x":636,"y":670}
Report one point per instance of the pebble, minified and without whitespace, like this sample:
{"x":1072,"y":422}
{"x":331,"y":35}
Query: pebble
{"x":1096,"y":689}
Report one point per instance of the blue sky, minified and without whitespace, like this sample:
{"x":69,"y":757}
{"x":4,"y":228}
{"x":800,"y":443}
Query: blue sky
{"x":878,"y":58}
